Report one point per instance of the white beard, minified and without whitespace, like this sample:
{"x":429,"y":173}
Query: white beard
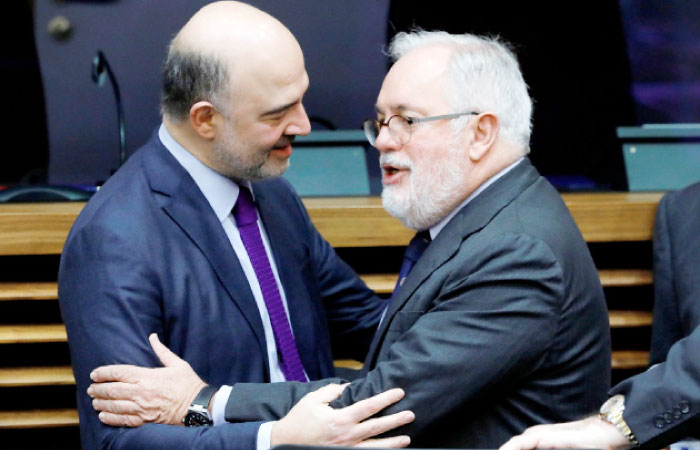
{"x":433,"y":189}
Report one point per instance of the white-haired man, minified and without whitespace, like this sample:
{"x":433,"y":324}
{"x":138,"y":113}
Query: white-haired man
{"x":498,"y":321}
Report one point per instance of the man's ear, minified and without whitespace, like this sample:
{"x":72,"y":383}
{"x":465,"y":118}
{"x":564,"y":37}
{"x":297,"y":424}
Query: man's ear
{"x":203,"y":119}
{"x":485,"y":132}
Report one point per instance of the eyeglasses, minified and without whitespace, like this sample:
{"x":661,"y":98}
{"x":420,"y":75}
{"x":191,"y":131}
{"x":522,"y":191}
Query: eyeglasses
{"x":400,"y":126}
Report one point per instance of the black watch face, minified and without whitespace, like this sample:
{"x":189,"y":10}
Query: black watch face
{"x":195,"y":419}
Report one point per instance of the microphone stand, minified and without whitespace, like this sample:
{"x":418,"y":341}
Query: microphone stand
{"x":100,"y":71}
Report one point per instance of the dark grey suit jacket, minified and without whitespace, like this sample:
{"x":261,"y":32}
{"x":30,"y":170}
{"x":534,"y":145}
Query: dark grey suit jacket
{"x":676,"y":270}
{"x":662,"y":405}
{"x":501,"y":325}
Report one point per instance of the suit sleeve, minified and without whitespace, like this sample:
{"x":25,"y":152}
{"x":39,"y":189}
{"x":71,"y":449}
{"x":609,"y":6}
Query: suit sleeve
{"x":490,"y":325}
{"x":110,"y":303}
{"x":662,"y":405}
{"x":666,"y":328}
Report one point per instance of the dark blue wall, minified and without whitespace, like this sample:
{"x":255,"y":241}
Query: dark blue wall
{"x":342,"y":42}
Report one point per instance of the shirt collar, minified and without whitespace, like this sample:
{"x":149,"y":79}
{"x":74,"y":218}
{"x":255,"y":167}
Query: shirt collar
{"x":435,"y":229}
{"x":220,"y":192}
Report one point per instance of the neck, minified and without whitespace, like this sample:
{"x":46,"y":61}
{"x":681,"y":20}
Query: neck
{"x":187,"y":138}
{"x":495,"y":160}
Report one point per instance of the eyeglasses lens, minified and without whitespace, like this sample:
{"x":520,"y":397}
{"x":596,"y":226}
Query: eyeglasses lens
{"x":371,"y":130}
{"x":399,"y":129}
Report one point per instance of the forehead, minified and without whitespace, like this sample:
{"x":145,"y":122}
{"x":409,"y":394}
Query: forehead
{"x":264,"y":80}
{"x":416,"y":82}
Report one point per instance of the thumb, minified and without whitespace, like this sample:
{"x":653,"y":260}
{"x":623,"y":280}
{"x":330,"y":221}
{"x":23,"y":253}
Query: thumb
{"x":164,"y":354}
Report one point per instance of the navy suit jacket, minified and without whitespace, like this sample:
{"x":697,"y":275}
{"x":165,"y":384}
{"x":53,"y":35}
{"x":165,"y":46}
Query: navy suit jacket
{"x":501,"y":325}
{"x":147,"y":254}
{"x":662,"y":405}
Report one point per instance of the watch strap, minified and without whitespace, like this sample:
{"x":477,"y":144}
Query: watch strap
{"x":613,"y":415}
{"x":198,"y":411}
{"x":204,"y":396}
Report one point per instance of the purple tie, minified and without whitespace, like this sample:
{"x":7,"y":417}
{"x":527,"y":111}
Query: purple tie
{"x":247,"y":221}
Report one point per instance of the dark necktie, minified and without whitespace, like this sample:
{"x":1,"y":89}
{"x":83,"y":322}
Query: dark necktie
{"x":414,"y":249}
{"x":247,"y":222}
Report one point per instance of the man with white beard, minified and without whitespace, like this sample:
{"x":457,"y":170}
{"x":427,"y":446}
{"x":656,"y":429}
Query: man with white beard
{"x":498,"y":321}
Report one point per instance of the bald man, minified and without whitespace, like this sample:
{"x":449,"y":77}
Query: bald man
{"x":196,"y":241}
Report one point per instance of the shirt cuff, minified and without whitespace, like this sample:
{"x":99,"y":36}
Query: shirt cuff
{"x":264,"y":435}
{"x":218,"y":406}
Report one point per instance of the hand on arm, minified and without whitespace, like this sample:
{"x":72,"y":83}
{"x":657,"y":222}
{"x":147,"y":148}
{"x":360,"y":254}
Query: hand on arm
{"x":313,"y":422}
{"x":131,"y":396}
{"x":592,"y":432}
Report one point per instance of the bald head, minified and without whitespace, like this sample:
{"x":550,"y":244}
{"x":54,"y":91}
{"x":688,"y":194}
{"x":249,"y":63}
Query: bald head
{"x":233,"y":86}
{"x":221,"y":47}
{"x":229,"y":29}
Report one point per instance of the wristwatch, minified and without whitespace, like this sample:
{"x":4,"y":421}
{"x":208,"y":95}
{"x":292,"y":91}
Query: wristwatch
{"x":198,"y":412}
{"x":611,"y":412}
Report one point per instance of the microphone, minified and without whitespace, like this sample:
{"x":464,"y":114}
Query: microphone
{"x":100,"y":72}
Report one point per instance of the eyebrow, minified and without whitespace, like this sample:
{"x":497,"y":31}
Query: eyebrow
{"x":400,"y":108}
{"x":280,"y":108}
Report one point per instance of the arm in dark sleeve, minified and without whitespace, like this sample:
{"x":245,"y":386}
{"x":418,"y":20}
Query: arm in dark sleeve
{"x":490,"y":324}
{"x":662,"y":405}
{"x":110,"y":302}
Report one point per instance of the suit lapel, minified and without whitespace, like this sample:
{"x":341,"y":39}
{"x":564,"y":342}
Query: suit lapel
{"x":473,"y":217}
{"x":288,"y":253}
{"x":188,"y":208}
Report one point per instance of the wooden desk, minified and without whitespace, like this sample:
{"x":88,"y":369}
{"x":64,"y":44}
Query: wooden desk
{"x":41,"y":228}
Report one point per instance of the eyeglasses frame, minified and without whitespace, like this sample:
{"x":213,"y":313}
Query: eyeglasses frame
{"x":410,"y":121}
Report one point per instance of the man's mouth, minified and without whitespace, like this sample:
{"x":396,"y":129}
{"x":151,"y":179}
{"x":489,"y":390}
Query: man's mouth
{"x":392,"y":171}
{"x":283,"y":147}
{"x":284,"y":142}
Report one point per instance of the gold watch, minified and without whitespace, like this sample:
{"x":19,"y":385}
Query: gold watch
{"x":611,"y":412}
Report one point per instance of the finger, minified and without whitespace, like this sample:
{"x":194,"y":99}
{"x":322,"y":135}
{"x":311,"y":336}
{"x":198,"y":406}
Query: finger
{"x":118,"y":420}
{"x":117,"y":372}
{"x":163,"y":353}
{"x":376,"y":426}
{"x":371,"y":406}
{"x":327,"y":393}
{"x":527,"y":441}
{"x":117,"y":406}
{"x":390,"y":442}
{"x":113,"y":391}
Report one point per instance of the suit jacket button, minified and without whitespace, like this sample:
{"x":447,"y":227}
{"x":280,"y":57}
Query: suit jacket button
{"x":676,"y":412}
{"x":668,"y":417}
{"x":659,"y":422}
{"x":685,"y":407}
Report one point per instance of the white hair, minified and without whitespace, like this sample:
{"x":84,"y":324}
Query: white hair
{"x":485,"y":76}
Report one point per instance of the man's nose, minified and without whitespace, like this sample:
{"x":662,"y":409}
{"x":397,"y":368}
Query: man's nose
{"x":299,"y":123}
{"x":385,"y":141}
